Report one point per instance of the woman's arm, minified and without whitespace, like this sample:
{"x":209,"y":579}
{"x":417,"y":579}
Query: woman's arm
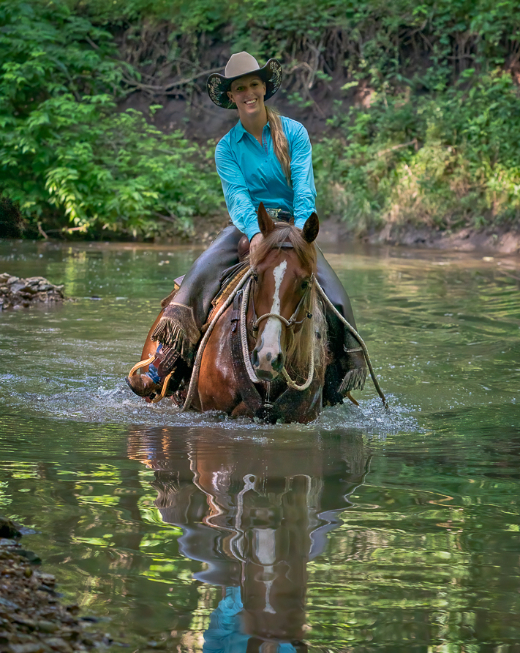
{"x":302,"y":175}
{"x":236,"y":194}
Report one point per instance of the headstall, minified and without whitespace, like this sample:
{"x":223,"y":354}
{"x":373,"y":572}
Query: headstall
{"x":289,"y":323}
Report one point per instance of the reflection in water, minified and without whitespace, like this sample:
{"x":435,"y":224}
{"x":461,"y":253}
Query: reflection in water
{"x":254,"y":516}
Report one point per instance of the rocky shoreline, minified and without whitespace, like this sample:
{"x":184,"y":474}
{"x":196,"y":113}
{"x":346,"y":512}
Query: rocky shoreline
{"x":16,"y":292}
{"x":32,"y":619}
{"x":501,"y":240}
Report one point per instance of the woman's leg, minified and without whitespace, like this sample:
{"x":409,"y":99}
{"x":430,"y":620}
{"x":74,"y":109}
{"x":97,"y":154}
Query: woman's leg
{"x":347,"y":370}
{"x":179,"y":330}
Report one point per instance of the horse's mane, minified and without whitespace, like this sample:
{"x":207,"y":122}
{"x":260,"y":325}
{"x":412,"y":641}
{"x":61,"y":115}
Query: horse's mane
{"x":313,"y":332}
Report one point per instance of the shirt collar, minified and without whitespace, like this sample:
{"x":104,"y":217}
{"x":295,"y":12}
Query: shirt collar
{"x":242,"y":131}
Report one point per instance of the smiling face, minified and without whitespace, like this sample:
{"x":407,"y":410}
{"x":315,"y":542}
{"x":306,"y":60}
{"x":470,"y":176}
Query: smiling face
{"x":248,"y":94}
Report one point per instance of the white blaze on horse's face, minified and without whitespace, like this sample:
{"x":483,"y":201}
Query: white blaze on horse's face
{"x":268,"y":358}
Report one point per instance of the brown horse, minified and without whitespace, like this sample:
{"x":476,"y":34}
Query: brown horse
{"x":254,"y":368}
{"x":267,"y":354}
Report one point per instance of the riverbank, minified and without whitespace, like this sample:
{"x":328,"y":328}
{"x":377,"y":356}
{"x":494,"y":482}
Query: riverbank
{"x":499,"y":240}
{"x":32,"y":618}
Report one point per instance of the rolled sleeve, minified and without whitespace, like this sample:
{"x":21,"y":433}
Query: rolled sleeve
{"x":302,"y":176}
{"x":238,"y":199}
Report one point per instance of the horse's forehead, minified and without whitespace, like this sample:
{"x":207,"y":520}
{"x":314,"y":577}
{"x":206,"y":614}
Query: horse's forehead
{"x":287,"y":254}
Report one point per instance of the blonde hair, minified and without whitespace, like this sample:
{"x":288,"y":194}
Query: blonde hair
{"x":280,"y":144}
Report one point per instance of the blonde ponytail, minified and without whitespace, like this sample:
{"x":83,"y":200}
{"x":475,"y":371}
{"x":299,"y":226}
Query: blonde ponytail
{"x":280,"y":144}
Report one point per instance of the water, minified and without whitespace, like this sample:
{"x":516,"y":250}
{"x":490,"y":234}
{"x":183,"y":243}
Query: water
{"x":365,"y":531}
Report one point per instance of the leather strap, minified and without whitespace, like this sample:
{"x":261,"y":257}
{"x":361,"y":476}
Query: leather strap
{"x":246,"y":388}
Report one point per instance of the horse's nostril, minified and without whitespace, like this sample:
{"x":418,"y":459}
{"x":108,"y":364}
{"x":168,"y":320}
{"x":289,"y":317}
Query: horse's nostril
{"x":278,"y":362}
{"x":254,"y":358}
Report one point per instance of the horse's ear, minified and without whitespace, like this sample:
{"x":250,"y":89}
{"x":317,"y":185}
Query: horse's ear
{"x":264,"y":221}
{"x":311,"y":228}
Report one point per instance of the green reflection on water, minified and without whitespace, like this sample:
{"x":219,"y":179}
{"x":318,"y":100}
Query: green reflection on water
{"x":395,"y":533}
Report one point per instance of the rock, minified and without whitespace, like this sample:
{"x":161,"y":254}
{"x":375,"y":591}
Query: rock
{"x":17,"y":292}
{"x":24,"y":621}
{"x":30,"y":556}
{"x":58,"y":644}
{"x":35,"y":647}
{"x":47,"y":626}
{"x":87,"y":641}
{"x":5,"y":637}
{"x":5,"y":603}
{"x":34,"y":621}
{"x":31,"y":290}
{"x":5,"y":542}
{"x":7,"y":528}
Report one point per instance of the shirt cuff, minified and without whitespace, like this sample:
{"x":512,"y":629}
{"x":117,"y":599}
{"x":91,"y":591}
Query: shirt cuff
{"x":299,"y":222}
{"x":252,"y":231}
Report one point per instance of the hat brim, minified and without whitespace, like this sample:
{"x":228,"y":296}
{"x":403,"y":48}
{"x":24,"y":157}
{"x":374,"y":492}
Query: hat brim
{"x":218,"y":85}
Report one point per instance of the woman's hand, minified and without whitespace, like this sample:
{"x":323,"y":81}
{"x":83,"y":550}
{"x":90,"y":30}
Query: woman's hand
{"x":255,"y":241}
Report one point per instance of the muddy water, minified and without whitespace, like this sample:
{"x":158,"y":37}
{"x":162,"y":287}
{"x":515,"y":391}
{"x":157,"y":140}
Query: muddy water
{"x":365,"y":531}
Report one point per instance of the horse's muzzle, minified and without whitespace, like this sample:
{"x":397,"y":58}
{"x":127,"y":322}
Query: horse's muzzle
{"x":268,"y":365}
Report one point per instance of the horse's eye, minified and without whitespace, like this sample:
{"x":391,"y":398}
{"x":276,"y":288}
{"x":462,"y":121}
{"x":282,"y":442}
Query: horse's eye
{"x":305,"y":285}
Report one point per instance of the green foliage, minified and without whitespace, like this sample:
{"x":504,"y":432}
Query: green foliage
{"x":374,"y":33}
{"x":446,"y":160}
{"x":66,"y":155}
{"x":435,"y":142}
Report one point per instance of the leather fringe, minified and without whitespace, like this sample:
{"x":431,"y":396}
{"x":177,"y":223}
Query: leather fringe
{"x":354,"y":380}
{"x":171,"y":334}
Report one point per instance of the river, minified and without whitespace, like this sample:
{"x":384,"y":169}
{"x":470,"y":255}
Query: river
{"x":365,"y":531}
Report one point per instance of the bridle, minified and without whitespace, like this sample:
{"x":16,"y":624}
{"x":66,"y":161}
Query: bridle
{"x":288,"y":323}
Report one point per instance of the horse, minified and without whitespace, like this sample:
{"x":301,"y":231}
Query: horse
{"x":275,"y":366}
{"x":265,"y":355}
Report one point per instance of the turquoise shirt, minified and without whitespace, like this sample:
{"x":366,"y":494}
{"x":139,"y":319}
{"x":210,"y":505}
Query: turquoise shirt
{"x":250,"y":173}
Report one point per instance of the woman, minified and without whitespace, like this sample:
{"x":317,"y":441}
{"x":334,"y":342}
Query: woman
{"x":264,"y":158}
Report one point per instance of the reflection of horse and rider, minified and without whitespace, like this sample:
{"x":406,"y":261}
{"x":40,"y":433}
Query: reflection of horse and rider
{"x":265,"y":167}
{"x":253,"y":516}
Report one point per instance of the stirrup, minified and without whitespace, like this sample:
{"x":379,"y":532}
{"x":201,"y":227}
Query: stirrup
{"x":166,"y":380}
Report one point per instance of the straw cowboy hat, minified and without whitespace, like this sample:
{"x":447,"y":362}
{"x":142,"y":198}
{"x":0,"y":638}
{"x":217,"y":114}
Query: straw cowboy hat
{"x":241,"y":64}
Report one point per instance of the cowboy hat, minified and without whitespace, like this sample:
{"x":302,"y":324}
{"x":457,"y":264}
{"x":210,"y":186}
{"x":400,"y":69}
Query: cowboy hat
{"x":241,"y":64}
